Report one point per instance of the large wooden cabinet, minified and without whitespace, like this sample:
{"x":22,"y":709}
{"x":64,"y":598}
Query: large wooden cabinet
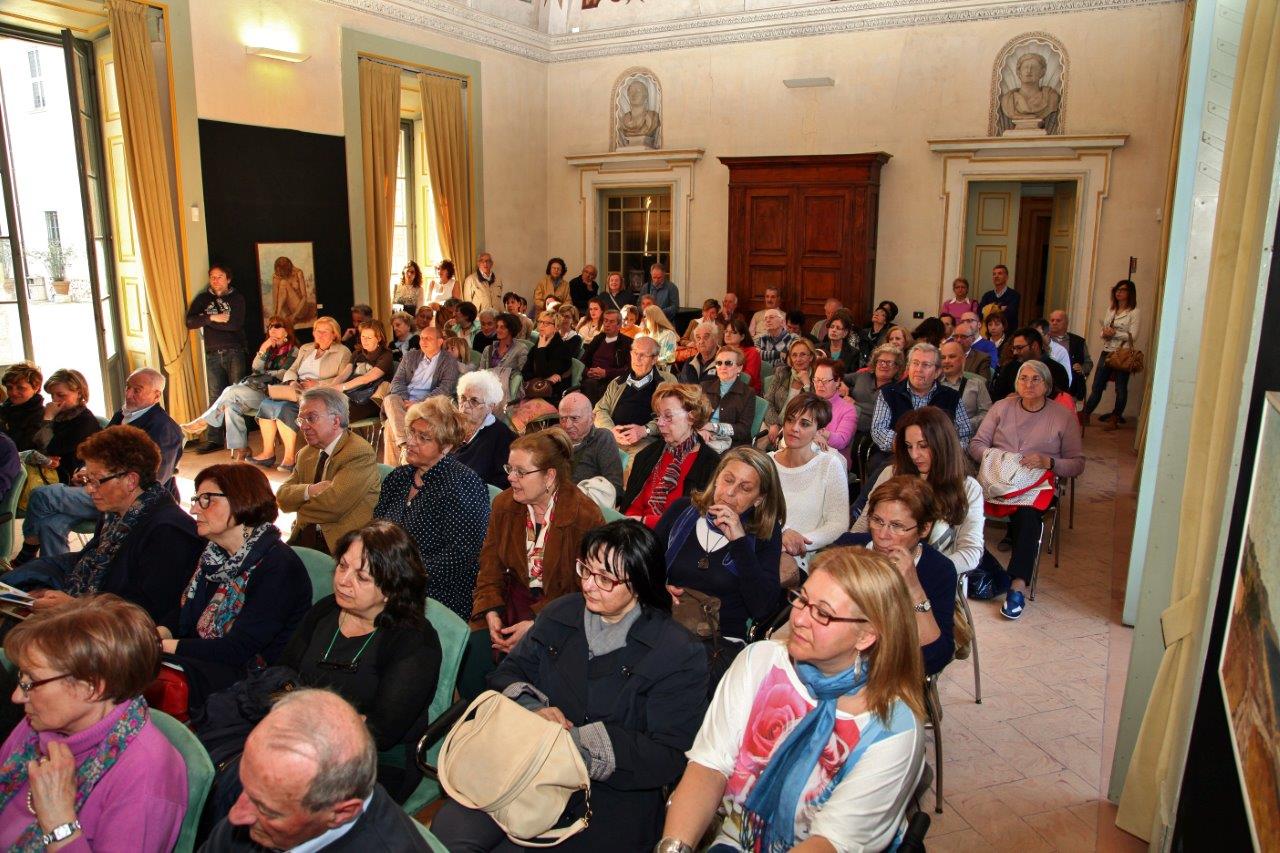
{"x":806,"y":225}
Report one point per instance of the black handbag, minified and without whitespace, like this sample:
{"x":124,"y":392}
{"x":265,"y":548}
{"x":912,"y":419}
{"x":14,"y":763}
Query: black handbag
{"x":989,"y":580}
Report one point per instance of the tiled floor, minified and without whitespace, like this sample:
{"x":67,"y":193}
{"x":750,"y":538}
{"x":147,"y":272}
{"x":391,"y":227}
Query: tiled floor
{"x":1026,"y":769}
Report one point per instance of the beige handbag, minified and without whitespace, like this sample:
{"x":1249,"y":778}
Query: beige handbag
{"x":517,"y":767}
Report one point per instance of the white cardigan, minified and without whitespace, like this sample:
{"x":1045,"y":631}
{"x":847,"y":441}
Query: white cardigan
{"x":963,"y":545}
{"x":817,"y":495}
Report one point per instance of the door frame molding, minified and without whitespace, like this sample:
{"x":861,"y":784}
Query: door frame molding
{"x":1086,"y":160}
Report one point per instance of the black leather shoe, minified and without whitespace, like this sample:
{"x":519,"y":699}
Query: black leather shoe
{"x":206,"y":447}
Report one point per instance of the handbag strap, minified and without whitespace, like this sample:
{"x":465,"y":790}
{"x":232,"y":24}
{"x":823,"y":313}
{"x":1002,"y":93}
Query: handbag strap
{"x":554,"y":836}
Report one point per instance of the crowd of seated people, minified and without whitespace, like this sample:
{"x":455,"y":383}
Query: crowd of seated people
{"x":738,"y":560}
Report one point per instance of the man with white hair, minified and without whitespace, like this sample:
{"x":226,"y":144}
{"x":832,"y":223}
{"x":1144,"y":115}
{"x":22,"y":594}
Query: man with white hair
{"x":706,"y":339}
{"x":309,"y":779}
{"x":595,"y":451}
{"x":728,"y":310}
{"x":335,"y":484}
{"x":775,"y":340}
{"x":483,"y":288}
{"x":1077,"y":351}
{"x":772,"y":302}
{"x":829,"y":309}
{"x":53,"y":510}
{"x":626,"y":408}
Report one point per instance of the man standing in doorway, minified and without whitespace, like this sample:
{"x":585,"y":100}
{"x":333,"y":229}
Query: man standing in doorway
{"x":1077,"y":351}
{"x":663,"y":290}
{"x":1003,"y":295}
{"x":220,"y":312}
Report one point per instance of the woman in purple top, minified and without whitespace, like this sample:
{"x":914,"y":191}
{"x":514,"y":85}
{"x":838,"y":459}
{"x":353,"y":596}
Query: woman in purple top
{"x":1048,"y":437}
{"x":86,"y":769}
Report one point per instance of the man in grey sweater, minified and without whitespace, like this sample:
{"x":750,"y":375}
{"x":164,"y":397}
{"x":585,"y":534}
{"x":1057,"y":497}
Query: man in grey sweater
{"x":595,"y":452}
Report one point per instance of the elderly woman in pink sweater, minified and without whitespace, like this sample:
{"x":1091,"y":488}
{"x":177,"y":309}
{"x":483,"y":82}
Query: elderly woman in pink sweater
{"x":1048,"y":437}
{"x":838,"y":434}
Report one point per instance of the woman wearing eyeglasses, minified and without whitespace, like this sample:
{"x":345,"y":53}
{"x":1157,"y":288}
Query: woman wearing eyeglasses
{"x":87,"y":768}
{"x":321,"y":363}
{"x":733,"y":406}
{"x":815,"y":741}
{"x":249,"y":590}
{"x":144,"y":545}
{"x":900,"y":515}
{"x":535,"y":528}
{"x":885,"y":367}
{"x":609,"y":664}
{"x":487,"y":440}
{"x":440,"y":502}
{"x":663,"y":471}
{"x":273,"y":358}
{"x":550,"y":359}
{"x":371,"y":365}
{"x":1047,"y":439}
{"x":371,"y":643}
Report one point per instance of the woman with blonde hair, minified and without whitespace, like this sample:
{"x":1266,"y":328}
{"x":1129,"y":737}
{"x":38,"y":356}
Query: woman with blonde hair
{"x":461,"y":351}
{"x":665,"y":470}
{"x":655,"y":325}
{"x":841,"y":776}
{"x":439,"y":501}
{"x":789,"y":379}
{"x":67,"y":422}
{"x":726,"y":541}
{"x":322,"y":363}
{"x":371,"y":365}
{"x":535,"y":528}
{"x":899,"y":337}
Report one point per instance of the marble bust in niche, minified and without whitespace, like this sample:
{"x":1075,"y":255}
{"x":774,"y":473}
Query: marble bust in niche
{"x":1029,"y":87}
{"x":636,"y":107}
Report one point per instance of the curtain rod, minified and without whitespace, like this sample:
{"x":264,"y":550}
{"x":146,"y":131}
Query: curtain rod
{"x":415,"y":70}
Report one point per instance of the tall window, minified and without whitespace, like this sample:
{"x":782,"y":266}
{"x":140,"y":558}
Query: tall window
{"x":36,"y":70}
{"x":402,"y":235}
{"x":637,"y":232}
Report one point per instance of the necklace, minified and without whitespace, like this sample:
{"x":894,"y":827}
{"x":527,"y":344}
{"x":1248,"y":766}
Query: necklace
{"x":1023,"y":404}
{"x":353,"y":664}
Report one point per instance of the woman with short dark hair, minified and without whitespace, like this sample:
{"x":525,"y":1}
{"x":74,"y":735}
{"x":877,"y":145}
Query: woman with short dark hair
{"x":609,"y":664}
{"x":508,"y":352}
{"x":87,"y":768}
{"x":144,"y":546}
{"x":249,"y":590}
{"x":370,"y":641}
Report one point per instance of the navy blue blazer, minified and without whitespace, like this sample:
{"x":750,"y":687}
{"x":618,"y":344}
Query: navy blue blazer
{"x":167,"y":435}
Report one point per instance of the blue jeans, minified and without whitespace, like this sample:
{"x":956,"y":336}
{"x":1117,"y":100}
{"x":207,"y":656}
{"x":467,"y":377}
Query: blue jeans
{"x":222,"y":368}
{"x":51,"y":513}
{"x":229,"y":411}
{"x":279,"y":410}
{"x":1104,"y":372}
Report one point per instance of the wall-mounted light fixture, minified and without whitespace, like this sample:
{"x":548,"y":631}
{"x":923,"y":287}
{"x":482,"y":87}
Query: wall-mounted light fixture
{"x":808,"y":82}
{"x":276,"y":53}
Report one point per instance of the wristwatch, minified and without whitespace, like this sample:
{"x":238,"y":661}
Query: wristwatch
{"x":672,"y":845}
{"x":60,"y":833}
{"x":923,"y":606}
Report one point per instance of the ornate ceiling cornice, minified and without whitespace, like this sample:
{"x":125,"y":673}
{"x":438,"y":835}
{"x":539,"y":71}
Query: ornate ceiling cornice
{"x":840,"y":16}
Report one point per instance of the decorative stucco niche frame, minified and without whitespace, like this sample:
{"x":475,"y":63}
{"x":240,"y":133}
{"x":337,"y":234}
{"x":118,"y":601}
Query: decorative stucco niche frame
{"x":1004,"y":80}
{"x":619,"y":103}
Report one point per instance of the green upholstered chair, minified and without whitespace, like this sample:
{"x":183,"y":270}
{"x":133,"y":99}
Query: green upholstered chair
{"x":757,"y":421}
{"x":577,"y":370}
{"x":452,"y":633}
{"x":383,"y":470}
{"x":494,"y":491}
{"x":319,"y":568}
{"x":432,"y":842}
{"x":9,"y":512}
{"x":199,"y":775}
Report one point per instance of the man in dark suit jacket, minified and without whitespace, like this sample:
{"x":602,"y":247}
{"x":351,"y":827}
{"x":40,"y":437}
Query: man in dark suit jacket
{"x":52,"y":511}
{"x":1025,"y":345}
{"x":313,"y":740}
{"x":1077,"y":349}
{"x":583,"y":287}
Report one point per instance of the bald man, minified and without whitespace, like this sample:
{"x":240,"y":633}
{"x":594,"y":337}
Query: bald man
{"x":53,"y":510}
{"x":1077,"y":351}
{"x":595,"y":451}
{"x":309,"y":777}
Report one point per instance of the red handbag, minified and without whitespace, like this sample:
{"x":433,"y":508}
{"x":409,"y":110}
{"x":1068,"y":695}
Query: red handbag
{"x":170,"y":693}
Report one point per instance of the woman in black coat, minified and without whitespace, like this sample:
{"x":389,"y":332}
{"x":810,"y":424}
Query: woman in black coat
{"x":628,"y":682}
{"x":551,"y":359}
{"x":733,"y":403}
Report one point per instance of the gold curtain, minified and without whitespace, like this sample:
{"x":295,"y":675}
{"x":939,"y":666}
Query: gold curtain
{"x":380,"y":141}
{"x":448,"y":146}
{"x":154,"y":204}
{"x":1151,"y":785}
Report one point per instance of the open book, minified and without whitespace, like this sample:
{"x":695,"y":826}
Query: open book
{"x":14,"y":602}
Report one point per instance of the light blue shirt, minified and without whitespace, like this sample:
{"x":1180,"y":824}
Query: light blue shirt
{"x":325,"y":839}
{"x":130,"y":417}
{"x":424,"y":378}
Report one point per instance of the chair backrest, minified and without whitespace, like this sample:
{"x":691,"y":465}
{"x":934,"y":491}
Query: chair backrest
{"x":9,"y":511}
{"x":436,"y":845}
{"x":578,"y":368}
{"x":611,"y":514}
{"x":477,"y":358}
{"x":766,"y":371}
{"x":102,"y":422}
{"x":320,"y":569}
{"x":494,"y":491}
{"x":453,"y":634}
{"x":514,"y":385}
{"x":757,"y":420}
{"x":383,"y":470}
{"x":199,"y":775}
